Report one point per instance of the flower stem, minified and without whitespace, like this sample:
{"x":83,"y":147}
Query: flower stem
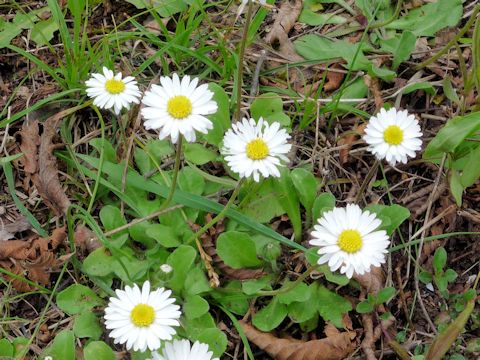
{"x":178,"y":158}
{"x":241,"y":55}
{"x":222,"y":213}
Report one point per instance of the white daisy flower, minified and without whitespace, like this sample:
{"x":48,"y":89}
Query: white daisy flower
{"x":393,"y":135}
{"x":178,"y":107}
{"x":180,"y":350}
{"x":348,"y":240}
{"x":141,"y":318}
{"x":256,"y":148}
{"x":111,"y":91}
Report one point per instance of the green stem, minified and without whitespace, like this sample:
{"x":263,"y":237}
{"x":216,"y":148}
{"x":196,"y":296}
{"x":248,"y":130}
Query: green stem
{"x":452,"y":42}
{"x":222,"y":213}
{"x":240,"y":60}
{"x":178,"y":158}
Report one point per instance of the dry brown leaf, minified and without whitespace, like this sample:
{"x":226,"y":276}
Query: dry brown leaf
{"x":32,"y":258}
{"x":371,"y":281}
{"x":8,"y":229}
{"x":284,"y":21}
{"x":40,"y":163}
{"x":348,"y":140}
{"x":85,"y":239}
{"x":334,"y":78}
{"x":337,"y":345}
{"x":29,"y":146}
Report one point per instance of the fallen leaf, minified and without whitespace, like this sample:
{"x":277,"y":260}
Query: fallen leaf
{"x":337,"y":345}
{"x":85,"y":239}
{"x":7,"y":230}
{"x":348,"y":141}
{"x":33,"y":258}
{"x":40,"y":163}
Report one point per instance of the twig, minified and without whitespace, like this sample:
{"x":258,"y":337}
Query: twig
{"x":420,"y":247}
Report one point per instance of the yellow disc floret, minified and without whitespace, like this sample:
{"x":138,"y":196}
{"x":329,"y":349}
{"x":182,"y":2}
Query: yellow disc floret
{"x":350,"y":241}
{"x":179,"y":107}
{"x":142,"y":315}
{"x":257,"y":149}
{"x":114,"y":86}
{"x":393,"y":135}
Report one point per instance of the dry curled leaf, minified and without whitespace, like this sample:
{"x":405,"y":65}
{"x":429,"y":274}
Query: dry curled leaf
{"x":33,"y":258}
{"x":337,"y":345}
{"x":41,"y":165}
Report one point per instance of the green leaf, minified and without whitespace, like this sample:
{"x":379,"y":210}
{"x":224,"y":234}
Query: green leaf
{"x":300,"y":293}
{"x":332,"y":306}
{"x":400,"y":46}
{"x":425,"y":277}
{"x":215,"y":339}
{"x":323,"y":202}
{"x":310,"y":16}
{"x":266,"y":204}
{"x":191,"y":181}
{"x":237,"y":302}
{"x":392,"y":216}
{"x":269,"y":106}
{"x":112,"y":219}
{"x":195,"y":306}
{"x":303,"y":311}
{"x":449,"y":91}
{"x":221,"y":119}
{"x":63,"y":346}
{"x":6,"y":348}
{"x":450,"y":275}
{"x":271,"y":316}
{"x":196,"y":282}
{"x":98,"y":350}
{"x":98,"y":263}
{"x":364,"y":307}
{"x":87,"y":326}
{"x":164,"y":235}
{"x":199,"y":154}
{"x":43,"y":31}
{"x":471,"y":171}
{"x":165,"y":8}
{"x":430,"y":18}
{"x":456,"y":186}
{"x":306,"y":185}
{"x":385,"y":295}
{"x":424,"y":85}
{"x":77,"y":299}
{"x":291,"y":204}
{"x":181,"y":260}
{"x":237,"y":250}
{"x":439,"y":260}
{"x":452,"y":135}
{"x":253,"y":286}
{"x":314,"y":47}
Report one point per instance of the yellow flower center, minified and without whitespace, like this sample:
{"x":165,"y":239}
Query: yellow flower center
{"x":257,"y":149}
{"x":179,"y":107}
{"x":350,"y":241}
{"x":142,"y":315}
{"x":393,"y":135}
{"x":114,"y":86}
